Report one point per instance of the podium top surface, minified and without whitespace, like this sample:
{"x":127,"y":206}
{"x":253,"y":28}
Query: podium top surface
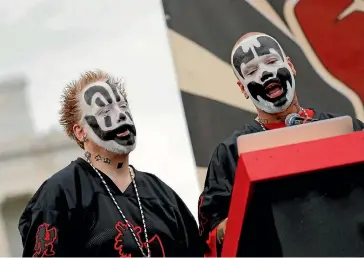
{"x":304,"y":157}
{"x":295,"y":134}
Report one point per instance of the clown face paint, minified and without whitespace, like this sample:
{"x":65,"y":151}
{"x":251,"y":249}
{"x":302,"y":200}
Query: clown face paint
{"x":107,"y":117}
{"x":261,"y":66}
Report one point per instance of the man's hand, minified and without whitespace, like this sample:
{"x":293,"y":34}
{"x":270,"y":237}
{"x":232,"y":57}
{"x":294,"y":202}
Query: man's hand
{"x":221,"y":231}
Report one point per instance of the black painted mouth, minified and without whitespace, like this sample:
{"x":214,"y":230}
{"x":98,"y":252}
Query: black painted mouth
{"x":274,"y":84}
{"x":126,"y":140}
{"x":125,"y":127}
{"x":111,"y":135}
{"x":257,"y":89}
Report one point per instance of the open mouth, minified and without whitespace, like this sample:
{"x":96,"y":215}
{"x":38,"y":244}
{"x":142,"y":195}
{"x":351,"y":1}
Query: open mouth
{"x":123,"y":134}
{"x":273,"y":90}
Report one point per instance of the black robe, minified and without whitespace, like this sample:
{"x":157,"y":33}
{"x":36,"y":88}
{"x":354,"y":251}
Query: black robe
{"x":72,"y":214}
{"x":215,"y":199}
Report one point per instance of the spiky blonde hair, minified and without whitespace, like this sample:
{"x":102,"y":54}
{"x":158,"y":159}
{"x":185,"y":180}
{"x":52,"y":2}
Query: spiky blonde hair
{"x":70,"y":112}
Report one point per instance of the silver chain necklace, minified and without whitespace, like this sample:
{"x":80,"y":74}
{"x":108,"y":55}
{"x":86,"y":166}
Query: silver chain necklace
{"x":265,"y":129}
{"x":121,"y":212}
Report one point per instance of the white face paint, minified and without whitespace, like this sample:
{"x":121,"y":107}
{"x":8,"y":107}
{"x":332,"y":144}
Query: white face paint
{"x":261,"y":66}
{"x":107,"y":118}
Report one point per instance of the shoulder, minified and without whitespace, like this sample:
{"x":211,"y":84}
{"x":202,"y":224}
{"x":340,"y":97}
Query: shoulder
{"x":152,"y":179}
{"x":326,"y":115}
{"x":53,"y":192}
{"x":357,"y":124}
{"x":322,"y":115}
{"x":229,"y":144}
{"x":158,"y":189}
{"x":49,"y":198}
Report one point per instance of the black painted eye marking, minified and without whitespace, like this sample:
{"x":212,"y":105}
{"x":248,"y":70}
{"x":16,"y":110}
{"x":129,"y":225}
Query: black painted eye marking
{"x":266,"y":44}
{"x":90,"y":92}
{"x":241,"y":57}
{"x":107,"y":120}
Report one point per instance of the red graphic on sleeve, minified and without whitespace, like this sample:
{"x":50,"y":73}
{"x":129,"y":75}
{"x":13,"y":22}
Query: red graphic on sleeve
{"x":155,"y":242}
{"x":44,"y":241}
{"x":201,"y":218}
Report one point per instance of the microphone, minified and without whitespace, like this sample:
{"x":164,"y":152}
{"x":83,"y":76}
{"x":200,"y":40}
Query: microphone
{"x":296,"y":119}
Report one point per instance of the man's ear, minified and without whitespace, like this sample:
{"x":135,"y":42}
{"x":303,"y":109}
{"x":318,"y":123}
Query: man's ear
{"x":241,"y":86}
{"x":291,"y":66}
{"x":79,"y":132}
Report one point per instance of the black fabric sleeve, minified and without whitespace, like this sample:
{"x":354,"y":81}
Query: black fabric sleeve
{"x":215,"y":198}
{"x":358,"y":125}
{"x":190,"y":241}
{"x":43,"y":226}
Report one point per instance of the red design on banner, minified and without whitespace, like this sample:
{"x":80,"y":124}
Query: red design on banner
{"x":44,"y":241}
{"x":335,"y":32}
{"x":155,"y":241}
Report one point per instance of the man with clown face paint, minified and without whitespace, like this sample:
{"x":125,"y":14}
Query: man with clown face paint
{"x":107,"y":118}
{"x":100,"y":205}
{"x":266,"y":76}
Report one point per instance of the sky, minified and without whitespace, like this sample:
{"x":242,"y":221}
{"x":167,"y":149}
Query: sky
{"x":52,"y":42}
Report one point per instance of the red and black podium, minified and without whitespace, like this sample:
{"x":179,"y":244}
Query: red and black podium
{"x":304,"y":199}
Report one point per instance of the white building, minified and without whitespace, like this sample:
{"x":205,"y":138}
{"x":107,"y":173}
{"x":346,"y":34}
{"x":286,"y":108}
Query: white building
{"x":14,"y":108}
{"x":26,"y":160}
{"x":24,"y":165}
